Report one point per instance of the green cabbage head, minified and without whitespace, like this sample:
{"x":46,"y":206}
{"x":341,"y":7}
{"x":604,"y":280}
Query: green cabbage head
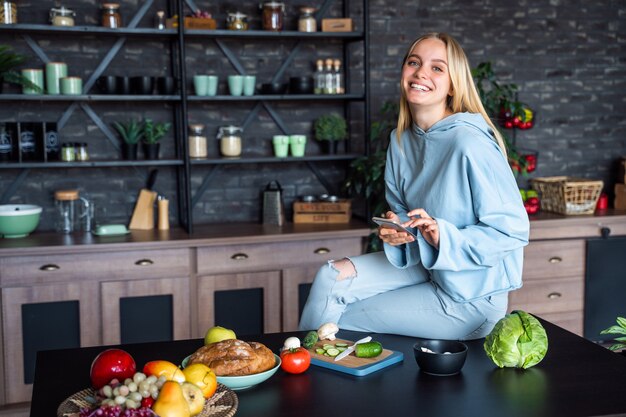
{"x":517,"y":340}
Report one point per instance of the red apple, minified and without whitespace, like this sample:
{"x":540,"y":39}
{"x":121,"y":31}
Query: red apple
{"x":109,"y":364}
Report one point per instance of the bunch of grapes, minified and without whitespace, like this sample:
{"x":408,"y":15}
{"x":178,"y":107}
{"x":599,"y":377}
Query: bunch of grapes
{"x":117,"y":411}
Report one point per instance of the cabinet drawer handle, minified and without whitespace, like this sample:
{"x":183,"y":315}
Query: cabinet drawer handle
{"x":239,"y":257}
{"x":50,"y":267}
{"x":144,"y":262}
{"x":321,"y":251}
{"x":555,"y":260}
{"x":554,"y":295}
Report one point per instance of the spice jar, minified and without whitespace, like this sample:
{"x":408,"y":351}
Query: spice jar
{"x":62,"y":16}
{"x":197,"y":142}
{"x":307,"y":22}
{"x":230,"y":140}
{"x":111,"y":17}
{"x":237,"y":21}
{"x":8,"y":12}
{"x":273,"y":16}
{"x":67,"y":152}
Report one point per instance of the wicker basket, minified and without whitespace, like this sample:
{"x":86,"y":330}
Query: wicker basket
{"x":567,"y":195}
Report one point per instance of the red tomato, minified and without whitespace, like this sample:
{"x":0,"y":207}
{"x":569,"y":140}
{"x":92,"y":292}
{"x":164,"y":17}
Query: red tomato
{"x":295,"y":361}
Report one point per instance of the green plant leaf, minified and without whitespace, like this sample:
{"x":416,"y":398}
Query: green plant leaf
{"x":621,"y":321}
{"x":614,"y":330}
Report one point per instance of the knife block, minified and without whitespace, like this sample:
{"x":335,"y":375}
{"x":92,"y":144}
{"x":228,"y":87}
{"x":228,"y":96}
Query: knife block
{"x":143,"y":215}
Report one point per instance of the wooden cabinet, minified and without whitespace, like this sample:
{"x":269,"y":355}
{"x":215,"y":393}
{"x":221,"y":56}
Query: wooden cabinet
{"x":554,"y":267}
{"x":58,"y":301}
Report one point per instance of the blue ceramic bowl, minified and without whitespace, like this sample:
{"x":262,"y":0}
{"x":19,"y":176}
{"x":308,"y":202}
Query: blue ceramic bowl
{"x":245,"y":381}
{"x":440,"y":357}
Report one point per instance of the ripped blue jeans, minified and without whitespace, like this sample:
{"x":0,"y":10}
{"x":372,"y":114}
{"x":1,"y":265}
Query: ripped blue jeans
{"x":367,"y":293}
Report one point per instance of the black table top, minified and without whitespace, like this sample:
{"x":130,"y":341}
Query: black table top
{"x":576,"y":378}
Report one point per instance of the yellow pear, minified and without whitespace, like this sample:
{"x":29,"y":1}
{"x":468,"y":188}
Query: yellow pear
{"x":194,"y":397}
{"x":171,"y":402}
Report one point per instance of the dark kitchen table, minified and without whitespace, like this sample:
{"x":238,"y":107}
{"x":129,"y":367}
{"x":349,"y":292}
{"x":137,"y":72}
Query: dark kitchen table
{"x":576,"y":378}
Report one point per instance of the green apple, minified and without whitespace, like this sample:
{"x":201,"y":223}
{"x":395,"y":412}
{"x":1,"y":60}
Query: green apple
{"x":217,"y":334}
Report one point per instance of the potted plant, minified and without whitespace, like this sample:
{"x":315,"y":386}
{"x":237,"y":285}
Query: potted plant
{"x":8,"y":61}
{"x":507,"y":112}
{"x":152,"y":134}
{"x":366,"y":177}
{"x":329,"y":130}
{"x":619,"y":329}
{"x":131,"y":132}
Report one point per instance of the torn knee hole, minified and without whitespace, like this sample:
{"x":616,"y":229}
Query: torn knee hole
{"x":345,"y":269}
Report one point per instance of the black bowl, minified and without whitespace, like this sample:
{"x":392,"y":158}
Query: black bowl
{"x":273,"y":88}
{"x":301,"y":85}
{"x":448,"y":357}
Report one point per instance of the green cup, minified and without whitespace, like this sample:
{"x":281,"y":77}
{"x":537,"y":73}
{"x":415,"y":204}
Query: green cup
{"x":201,"y":84}
{"x":297,"y":144}
{"x":35,"y":76}
{"x":54,"y":72}
{"x":212,"y":85}
{"x":249,"y":85}
{"x":71,"y":86}
{"x":235,"y":85}
{"x":281,"y":145}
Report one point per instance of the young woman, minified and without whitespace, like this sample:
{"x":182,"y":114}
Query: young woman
{"x":448,"y":179}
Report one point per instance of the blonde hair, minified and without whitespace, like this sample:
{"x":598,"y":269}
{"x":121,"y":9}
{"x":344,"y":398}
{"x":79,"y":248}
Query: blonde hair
{"x":465,"y":97}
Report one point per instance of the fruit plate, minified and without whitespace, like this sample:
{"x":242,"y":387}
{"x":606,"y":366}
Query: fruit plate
{"x":244,"y":381}
{"x":223,"y":403}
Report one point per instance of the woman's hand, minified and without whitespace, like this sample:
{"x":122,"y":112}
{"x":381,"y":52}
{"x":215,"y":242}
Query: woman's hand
{"x":392,"y":236}
{"x":427,"y":226}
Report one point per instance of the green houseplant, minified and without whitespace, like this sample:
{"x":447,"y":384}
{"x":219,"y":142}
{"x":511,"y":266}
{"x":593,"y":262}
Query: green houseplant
{"x":10,"y":60}
{"x":618,"y":329}
{"x":329,"y":130}
{"x":366,"y":177}
{"x":506,"y":110}
{"x":152,"y":134}
{"x":131,"y":132}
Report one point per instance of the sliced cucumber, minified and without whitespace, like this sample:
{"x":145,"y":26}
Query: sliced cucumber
{"x":341,"y":348}
{"x":332,"y":352}
{"x":320,"y":351}
{"x":341,"y":345}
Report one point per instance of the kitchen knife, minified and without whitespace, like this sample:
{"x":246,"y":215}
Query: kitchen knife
{"x":350,"y":349}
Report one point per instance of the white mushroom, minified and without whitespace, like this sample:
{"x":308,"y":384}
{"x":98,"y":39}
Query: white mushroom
{"x":291,"y":343}
{"x":327,"y":331}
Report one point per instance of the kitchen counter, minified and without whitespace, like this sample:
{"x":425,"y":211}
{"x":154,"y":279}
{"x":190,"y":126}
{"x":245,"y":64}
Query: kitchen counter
{"x":577,"y":378}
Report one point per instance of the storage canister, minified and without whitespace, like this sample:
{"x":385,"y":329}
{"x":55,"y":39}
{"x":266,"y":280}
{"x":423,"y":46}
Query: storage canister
{"x":307,"y":22}
{"x":62,"y":16}
{"x":111,"y":17}
{"x":273,"y":16}
{"x":230,"y":140}
{"x":237,"y":21}
{"x":197,"y":141}
{"x":8,"y":12}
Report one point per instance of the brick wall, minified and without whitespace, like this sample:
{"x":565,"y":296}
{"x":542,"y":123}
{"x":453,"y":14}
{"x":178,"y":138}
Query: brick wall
{"x":569,"y":59}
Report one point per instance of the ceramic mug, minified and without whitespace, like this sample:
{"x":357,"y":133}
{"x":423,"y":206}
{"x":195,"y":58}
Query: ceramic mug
{"x":201,"y":84}
{"x":71,"y":86}
{"x":281,"y":145}
{"x":212,"y":85}
{"x":297,"y":144}
{"x":249,"y":85}
{"x":166,"y":86}
{"x":123,"y":84}
{"x":235,"y":85}
{"x":54,"y":72}
{"x":107,"y":84}
{"x":35,"y":76}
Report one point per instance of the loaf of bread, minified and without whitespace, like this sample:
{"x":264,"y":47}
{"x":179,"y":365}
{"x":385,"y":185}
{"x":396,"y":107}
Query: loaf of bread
{"x":233,"y":357}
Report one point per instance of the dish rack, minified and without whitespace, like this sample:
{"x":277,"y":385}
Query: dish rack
{"x":568,"y":195}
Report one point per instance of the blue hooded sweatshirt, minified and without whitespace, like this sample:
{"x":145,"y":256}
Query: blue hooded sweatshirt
{"x":457,"y":173}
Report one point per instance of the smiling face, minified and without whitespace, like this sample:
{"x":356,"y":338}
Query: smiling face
{"x":425,"y":76}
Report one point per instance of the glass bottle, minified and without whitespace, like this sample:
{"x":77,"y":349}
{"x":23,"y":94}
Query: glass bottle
{"x":111,"y":17}
{"x":67,"y":152}
{"x":319,"y":77}
{"x":273,"y":16}
{"x":329,"y":78}
{"x":80,"y":148}
{"x":197,"y":141}
{"x":338,"y":75}
{"x":8,"y":12}
{"x":307,"y":22}
{"x":230,"y":140}
{"x":159,"y":20}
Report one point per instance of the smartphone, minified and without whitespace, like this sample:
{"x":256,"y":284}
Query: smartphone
{"x":381,"y":221}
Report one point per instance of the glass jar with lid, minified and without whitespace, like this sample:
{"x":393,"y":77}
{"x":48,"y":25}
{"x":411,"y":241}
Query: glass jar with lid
{"x":237,"y":21}
{"x":80,"y":149}
{"x":273,"y":16}
{"x":61,"y":16}
{"x":197,"y":141}
{"x":230,"y":140}
{"x":307,"y":22}
{"x":111,"y":17}
{"x":8,"y":12}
